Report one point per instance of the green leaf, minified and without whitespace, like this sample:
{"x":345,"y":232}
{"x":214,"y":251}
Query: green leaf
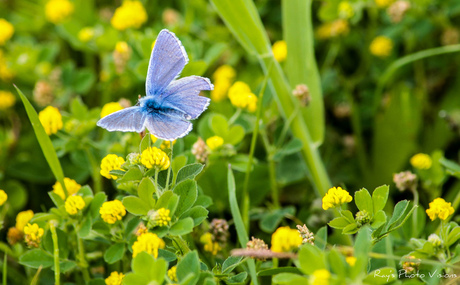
{"x":182,"y":227}
{"x":44,"y":140}
{"x":321,"y":238}
{"x":271,"y":220}
{"x":398,"y":214}
{"x":363,"y":242}
{"x":149,"y":268}
{"x":278,"y":270}
{"x":293,"y":146}
{"x":163,"y":201}
{"x":133,"y":174}
{"x":289,"y":278}
{"x":452,"y":167}
{"x":238,"y":278}
{"x":380,"y":218}
{"x":238,"y":220}
{"x":379,"y":197}
{"x":136,"y":206}
{"x":453,"y":236}
{"x":96,"y":204}
{"x":384,"y":275}
{"x":337,"y":262}
{"x":187,"y":192}
{"x":62,"y":243}
{"x":57,"y":200}
{"x":363,"y":201}
{"x":311,"y":258}
{"x":36,"y":258}
{"x":197,"y":213}
{"x":350,"y":229}
{"x":114,"y":253}
{"x":189,"y":172}
{"x":187,"y":265}
{"x":145,"y":192}
{"x":177,"y":164}
{"x":230,"y":264}
{"x":348,"y":215}
{"x":235,"y":135}
{"x":339,"y":223}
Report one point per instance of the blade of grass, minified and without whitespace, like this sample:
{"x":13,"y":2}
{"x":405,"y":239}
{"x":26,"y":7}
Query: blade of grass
{"x":301,"y":67}
{"x":240,"y":229}
{"x":44,"y":141}
{"x":57,"y":269}
{"x":242,"y":19}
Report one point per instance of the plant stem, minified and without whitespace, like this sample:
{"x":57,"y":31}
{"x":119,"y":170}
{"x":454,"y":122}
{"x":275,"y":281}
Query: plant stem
{"x":181,"y":244}
{"x":235,"y":116}
{"x":97,"y":182}
{"x":169,"y":168}
{"x":156,"y":184}
{"x":57,"y":270}
{"x":5,"y":268}
{"x":83,"y":264}
{"x":415,"y":213}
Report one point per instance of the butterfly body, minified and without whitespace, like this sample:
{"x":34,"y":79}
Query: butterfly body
{"x":170,"y":103}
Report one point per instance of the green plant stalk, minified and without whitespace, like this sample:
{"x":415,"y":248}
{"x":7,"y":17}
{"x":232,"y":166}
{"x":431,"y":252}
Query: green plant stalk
{"x":242,"y":19}
{"x":181,"y":244}
{"x":5,"y":268}
{"x":404,"y":61}
{"x":83,"y":264}
{"x":97,"y":181}
{"x":57,"y":270}
{"x":238,"y":220}
{"x":170,"y":167}
{"x":415,"y":214}
{"x":271,"y":169}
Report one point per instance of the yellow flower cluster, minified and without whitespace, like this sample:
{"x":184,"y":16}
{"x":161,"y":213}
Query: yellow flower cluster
{"x":73,"y":204}
{"x":241,"y":96}
{"x":7,"y":100}
{"x":439,"y":208}
{"x":71,"y":186}
{"x":381,"y":46}
{"x":131,"y":14}
{"x":164,"y":144}
{"x":23,"y":218}
{"x":86,"y":34}
{"x":161,"y":217}
{"x":210,"y":245}
{"x":345,"y":10}
{"x":33,"y":234}
{"x":172,"y":274}
{"x":421,"y":161}
{"x":149,"y":243}
{"x":222,"y":79}
{"x":112,"y":211}
{"x":279,"y":50}
{"x":333,"y":29}
{"x":110,"y":108}
{"x":51,"y":120}
{"x":214,"y":142}
{"x":285,"y":239}
{"x":154,"y":157}
{"x":109,"y":163}
{"x":3,"y":197}
{"x":336,"y":196}
{"x":383,"y":3}
{"x":320,"y":277}
{"x":115,"y":278}
{"x":57,"y":11}
{"x":6,"y":31}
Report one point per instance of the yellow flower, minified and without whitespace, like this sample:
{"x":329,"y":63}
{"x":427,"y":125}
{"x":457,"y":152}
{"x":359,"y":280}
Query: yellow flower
{"x":214,"y":142}
{"x":112,"y":211}
{"x":110,"y":108}
{"x":241,"y":97}
{"x":109,"y":163}
{"x":383,"y":3}
{"x":154,"y":157}
{"x":3,"y":197}
{"x":210,"y":245}
{"x":71,"y":185}
{"x":131,"y":14}
{"x":149,"y":243}
{"x":23,"y":218}
{"x":285,"y":239}
{"x":224,"y":72}
{"x":381,"y":46}
{"x":51,"y":120}
{"x":33,"y":234}
{"x":122,"y":47}
{"x":7,"y":100}
{"x":172,"y":274}
{"x":320,"y":277}
{"x":351,"y":260}
{"x":223,"y":78}
{"x":73,"y":204}
{"x":279,"y":50}
{"x":115,"y":278}
{"x":336,"y":197}
{"x":86,"y":34}
{"x":345,"y":10}
{"x":439,"y":208}
{"x":164,"y":144}
{"x":160,"y":217}
{"x":6,"y":31}
{"x":421,"y":161}
{"x":57,"y":11}
{"x":333,"y":29}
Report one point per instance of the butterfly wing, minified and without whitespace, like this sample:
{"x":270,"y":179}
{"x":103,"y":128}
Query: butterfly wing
{"x":183,"y":95}
{"x":130,"y":119}
{"x":166,"y":127}
{"x":167,"y":60}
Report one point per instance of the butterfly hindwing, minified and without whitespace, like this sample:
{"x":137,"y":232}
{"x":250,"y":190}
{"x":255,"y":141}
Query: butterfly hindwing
{"x":167,"y":60}
{"x":131,"y":119}
{"x":166,"y":127}
{"x":183,"y":95}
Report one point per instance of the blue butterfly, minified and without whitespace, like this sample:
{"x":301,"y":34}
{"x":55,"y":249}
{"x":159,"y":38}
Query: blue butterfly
{"x":169,"y":104}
